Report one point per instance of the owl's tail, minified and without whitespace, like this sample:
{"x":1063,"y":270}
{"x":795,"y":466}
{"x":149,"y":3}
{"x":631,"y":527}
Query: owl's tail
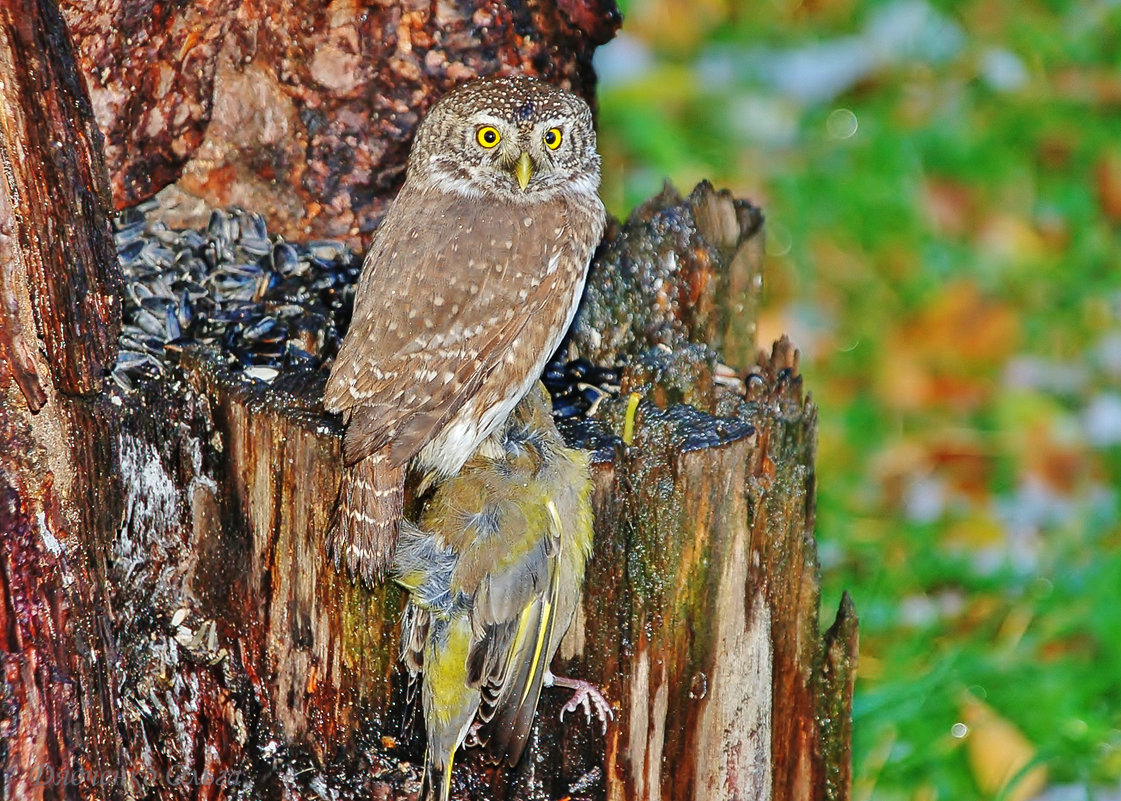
{"x":363,"y":529}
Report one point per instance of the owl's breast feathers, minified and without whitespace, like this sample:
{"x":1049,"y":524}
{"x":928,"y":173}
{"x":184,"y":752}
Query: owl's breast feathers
{"x":456,"y":302}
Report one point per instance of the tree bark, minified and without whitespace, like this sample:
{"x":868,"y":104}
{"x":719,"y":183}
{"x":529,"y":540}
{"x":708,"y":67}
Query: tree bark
{"x":300,"y":109}
{"x":60,"y":491}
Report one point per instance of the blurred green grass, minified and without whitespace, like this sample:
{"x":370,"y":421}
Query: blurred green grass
{"x":944,"y":245}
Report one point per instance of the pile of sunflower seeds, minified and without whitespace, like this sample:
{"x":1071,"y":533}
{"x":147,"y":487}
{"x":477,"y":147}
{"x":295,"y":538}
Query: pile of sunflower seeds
{"x":266,"y":304}
{"x":578,"y":386}
{"x":269,"y":307}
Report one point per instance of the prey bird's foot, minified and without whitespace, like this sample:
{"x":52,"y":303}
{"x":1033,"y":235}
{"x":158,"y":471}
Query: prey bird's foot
{"x":585,"y":695}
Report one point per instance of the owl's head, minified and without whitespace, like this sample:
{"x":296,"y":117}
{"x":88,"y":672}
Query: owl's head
{"x":515,"y":137}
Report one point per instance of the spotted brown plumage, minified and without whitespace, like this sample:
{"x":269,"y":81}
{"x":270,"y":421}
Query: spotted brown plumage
{"x":467,"y":289}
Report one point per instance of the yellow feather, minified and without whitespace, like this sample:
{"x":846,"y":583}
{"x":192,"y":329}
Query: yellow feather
{"x":629,"y":419}
{"x":546,"y":613}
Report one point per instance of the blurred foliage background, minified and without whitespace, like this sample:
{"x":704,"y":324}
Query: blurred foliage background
{"x":942,"y":186}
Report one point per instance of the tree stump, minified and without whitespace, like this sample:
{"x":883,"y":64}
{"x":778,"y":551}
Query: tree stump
{"x":174,"y":629}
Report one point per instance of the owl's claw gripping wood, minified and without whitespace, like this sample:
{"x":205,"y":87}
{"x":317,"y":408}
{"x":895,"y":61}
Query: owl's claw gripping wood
{"x":586,"y":695}
{"x":469,"y":285}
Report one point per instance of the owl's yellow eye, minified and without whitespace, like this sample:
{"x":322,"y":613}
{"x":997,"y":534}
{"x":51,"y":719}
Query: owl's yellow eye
{"x":553,"y":138}
{"x":488,"y":136}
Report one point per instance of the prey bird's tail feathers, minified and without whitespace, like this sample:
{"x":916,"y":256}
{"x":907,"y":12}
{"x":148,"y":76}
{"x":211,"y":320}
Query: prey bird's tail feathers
{"x":363,"y":530}
{"x":436,"y":783}
{"x":511,"y":675}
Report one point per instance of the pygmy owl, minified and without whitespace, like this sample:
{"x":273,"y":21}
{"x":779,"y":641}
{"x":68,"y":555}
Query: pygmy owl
{"x":469,"y":285}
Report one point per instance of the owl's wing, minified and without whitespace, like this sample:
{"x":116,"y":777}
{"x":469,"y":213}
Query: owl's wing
{"x":448,"y":286}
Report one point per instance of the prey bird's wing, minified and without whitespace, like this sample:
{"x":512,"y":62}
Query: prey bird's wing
{"x":517,"y":612}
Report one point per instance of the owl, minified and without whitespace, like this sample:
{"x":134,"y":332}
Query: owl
{"x":468,"y":287}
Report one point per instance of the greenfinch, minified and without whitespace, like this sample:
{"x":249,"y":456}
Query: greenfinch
{"x":494,"y":574}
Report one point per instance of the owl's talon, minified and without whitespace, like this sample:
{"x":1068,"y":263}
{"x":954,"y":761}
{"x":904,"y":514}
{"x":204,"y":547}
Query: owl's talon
{"x":586,"y":695}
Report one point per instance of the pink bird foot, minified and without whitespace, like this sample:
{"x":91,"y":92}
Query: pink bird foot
{"x":472,"y":739}
{"x":585,"y":695}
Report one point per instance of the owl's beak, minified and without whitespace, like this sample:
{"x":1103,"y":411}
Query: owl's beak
{"x":523,"y":170}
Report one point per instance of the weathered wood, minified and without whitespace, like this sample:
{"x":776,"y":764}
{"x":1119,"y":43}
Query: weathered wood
{"x":678,"y":272}
{"x":59,"y":488}
{"x":700,"y":619}
{"x":703,"y":614}
{"x":837,"y":678}
{"x":51,"y":158}
{"x":300,"y":109}
{"x":267,"y":656}
{"x":172,"y":627}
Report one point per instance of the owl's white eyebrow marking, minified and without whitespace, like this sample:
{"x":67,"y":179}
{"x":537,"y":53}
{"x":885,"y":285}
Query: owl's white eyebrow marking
{"x":489,"y":119}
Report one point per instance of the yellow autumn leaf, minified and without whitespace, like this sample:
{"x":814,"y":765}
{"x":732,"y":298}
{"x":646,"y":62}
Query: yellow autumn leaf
{"x":1007,"y":236}
{"x":1107,"y":178}
{"x":997,"y":752}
